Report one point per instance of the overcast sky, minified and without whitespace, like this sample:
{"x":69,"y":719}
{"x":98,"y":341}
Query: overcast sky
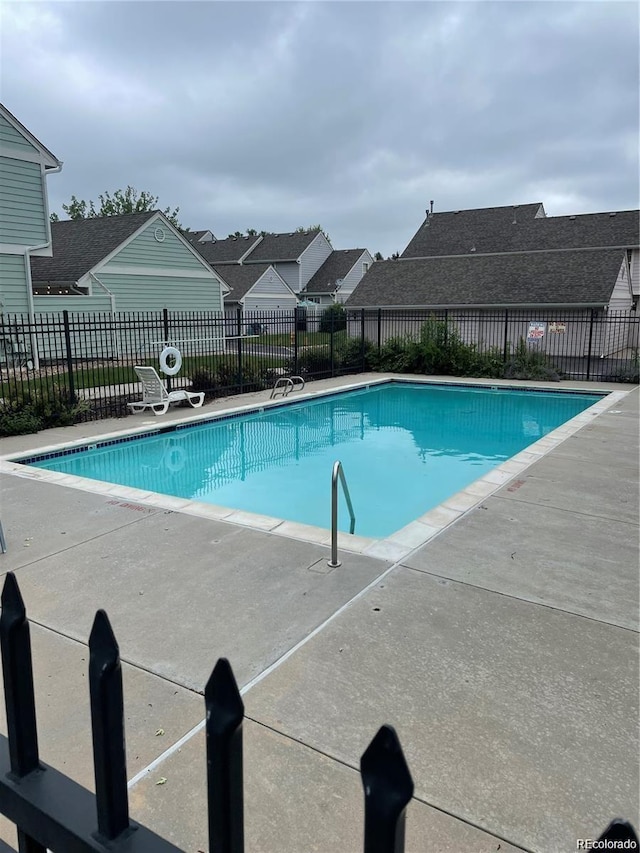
{"x":352,"y":115}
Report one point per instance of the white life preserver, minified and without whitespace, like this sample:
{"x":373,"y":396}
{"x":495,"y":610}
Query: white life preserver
{"x":164,"y":355}
{"x":176,"y":459}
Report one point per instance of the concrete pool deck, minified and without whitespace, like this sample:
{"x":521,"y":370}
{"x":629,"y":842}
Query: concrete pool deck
{"x":504,"y":650}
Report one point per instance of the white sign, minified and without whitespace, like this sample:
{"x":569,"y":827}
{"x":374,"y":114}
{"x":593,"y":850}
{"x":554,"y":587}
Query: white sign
{"x":536,"y":331}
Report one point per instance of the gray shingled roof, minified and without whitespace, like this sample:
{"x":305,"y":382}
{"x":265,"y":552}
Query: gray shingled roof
{"x":281,"y":247}
{"x":240,"y":278}
{"x":494,"y":230}
{"x":228,"y":251}
{"x":337,"y":265}
{"x":194,"y":236}
{"x":536,"y":278}
{"x":80,"y":244}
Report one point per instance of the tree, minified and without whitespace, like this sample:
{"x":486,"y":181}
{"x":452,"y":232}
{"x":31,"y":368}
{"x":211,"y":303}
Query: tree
{"x":122,"y":201}
{"x":302,"y":230}
{"x":378,"y":256}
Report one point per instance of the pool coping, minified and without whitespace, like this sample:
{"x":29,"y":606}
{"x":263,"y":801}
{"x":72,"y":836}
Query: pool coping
{"x":393,"y":547}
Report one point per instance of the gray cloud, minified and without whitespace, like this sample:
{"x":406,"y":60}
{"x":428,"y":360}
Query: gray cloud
{"x":354,"y":115}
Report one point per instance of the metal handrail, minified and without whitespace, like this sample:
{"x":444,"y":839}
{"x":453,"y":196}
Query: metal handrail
{"x":283,"y":384}
{"x":338,"y":473}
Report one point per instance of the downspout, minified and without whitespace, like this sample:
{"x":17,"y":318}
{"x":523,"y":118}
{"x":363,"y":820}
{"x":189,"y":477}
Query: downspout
{"x":27,"y":270}
{"x":31,"y":307}
{"x":112,"y":301}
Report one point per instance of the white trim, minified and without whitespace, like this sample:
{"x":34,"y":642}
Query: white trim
{"x":259,"y":240}
{"x":18,"y":249}
{"x":177,"y":272}
{"x":48,"y":157}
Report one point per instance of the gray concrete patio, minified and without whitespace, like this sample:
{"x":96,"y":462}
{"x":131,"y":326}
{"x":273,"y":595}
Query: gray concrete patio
{"x":504,"y":652}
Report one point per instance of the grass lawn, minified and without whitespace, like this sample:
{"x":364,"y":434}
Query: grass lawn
{"x":305,"y":339}
{"x":95,"y":376}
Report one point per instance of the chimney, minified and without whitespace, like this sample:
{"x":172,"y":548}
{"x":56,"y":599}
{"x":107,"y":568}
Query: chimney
{"x":431,"y":208}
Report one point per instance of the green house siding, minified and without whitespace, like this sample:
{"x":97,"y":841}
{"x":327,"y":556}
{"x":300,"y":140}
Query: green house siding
{"x":73,"y":304}
{"x":13,"y":285}
{"x":9,"y":136}
{"x":22,"y":209}
{"x":153,"y":293}
{"x":147,"y":251}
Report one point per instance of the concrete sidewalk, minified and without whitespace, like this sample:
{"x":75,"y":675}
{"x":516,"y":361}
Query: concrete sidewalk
{"x":505,"y":653}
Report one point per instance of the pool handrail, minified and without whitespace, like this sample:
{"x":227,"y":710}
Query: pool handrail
{"x":338,"y":474}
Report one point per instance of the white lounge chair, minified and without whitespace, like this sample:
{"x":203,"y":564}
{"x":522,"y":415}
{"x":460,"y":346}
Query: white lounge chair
{"x":156,"y":397}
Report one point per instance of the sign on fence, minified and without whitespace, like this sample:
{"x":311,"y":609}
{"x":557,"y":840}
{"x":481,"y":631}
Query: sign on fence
{"x":536,"y":331}
{"x":558,"y":328}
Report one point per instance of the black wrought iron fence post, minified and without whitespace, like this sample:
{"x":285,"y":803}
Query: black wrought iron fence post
{"x":165,"y":330}
{"x":362,"y":335}
{"x":388,"y":788}
{"x":332,"y":330}
{"x":224,"y":712}
{"x":17,"y":671}
{"x":69,"y":357}
{"x":505,"y":345}
{"x":379,"y":329}
{"x":590,"y":344}
{"x":239,"y":334}
{"x":297,"y":313}
{"x":107,"y":719}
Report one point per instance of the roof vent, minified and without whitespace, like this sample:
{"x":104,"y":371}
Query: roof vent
{"x":572,"y":217}
{"x":472,"y":249}
{"x":612,"y":214}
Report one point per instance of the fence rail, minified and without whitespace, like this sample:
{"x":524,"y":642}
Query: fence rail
{"x":77,"y":366}
{"x":52,"y":812}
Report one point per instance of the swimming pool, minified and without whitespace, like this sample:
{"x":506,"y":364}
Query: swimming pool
{"x":405,"y":448}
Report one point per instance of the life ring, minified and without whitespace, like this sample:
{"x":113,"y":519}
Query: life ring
{"x":166,"y":353}
{"x":176,"y":459}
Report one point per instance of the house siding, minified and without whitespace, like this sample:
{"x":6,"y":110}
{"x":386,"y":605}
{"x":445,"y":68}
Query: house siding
{"x":152,"y":293}
{"x":313,"y":257}
{"x":10,"y":137}
{"x":621,"y":293}
{"x":269,"y":293}
{"x":145,"y":251}
{"x":13,"y":285}
{"x":353,"y":277}
{"x":22,"y":207}
{"x":290,"y":272}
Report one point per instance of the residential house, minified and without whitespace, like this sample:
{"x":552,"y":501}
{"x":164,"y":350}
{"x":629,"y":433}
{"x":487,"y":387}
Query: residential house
{"x":280,"y":271}
{"x":338,"y":276}
{"x":479,"y":265}
{"x":25,"y":230}
{"x":127,"y":263}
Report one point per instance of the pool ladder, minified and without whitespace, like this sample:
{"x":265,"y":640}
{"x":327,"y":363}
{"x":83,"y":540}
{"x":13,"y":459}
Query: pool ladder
{"x":287,"y":384}
{"x":338,"y":475}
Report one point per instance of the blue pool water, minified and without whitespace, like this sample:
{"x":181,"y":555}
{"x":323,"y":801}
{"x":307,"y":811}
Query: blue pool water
{"x":405,"y":448}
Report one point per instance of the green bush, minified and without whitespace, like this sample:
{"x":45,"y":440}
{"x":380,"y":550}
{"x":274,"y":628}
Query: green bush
{"x":18,"y":421}
{"x":312,"y":362}
{"x":43,"y":407}
{"x":203,"y":379}
{"x":351,"y":356}
{"x":527,"y":363}
{"x":333,"y":319}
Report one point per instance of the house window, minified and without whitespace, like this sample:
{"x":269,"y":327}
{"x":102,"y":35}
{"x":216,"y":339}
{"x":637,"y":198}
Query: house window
{"x":365,"y":267}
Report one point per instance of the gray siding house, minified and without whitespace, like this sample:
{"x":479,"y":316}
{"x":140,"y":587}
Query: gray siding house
{"x":338,"y":276}
{"x":478,"y":264}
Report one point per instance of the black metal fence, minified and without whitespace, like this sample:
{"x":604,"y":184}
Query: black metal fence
{"x":50,"y":811}
{"x":78,"y":366}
